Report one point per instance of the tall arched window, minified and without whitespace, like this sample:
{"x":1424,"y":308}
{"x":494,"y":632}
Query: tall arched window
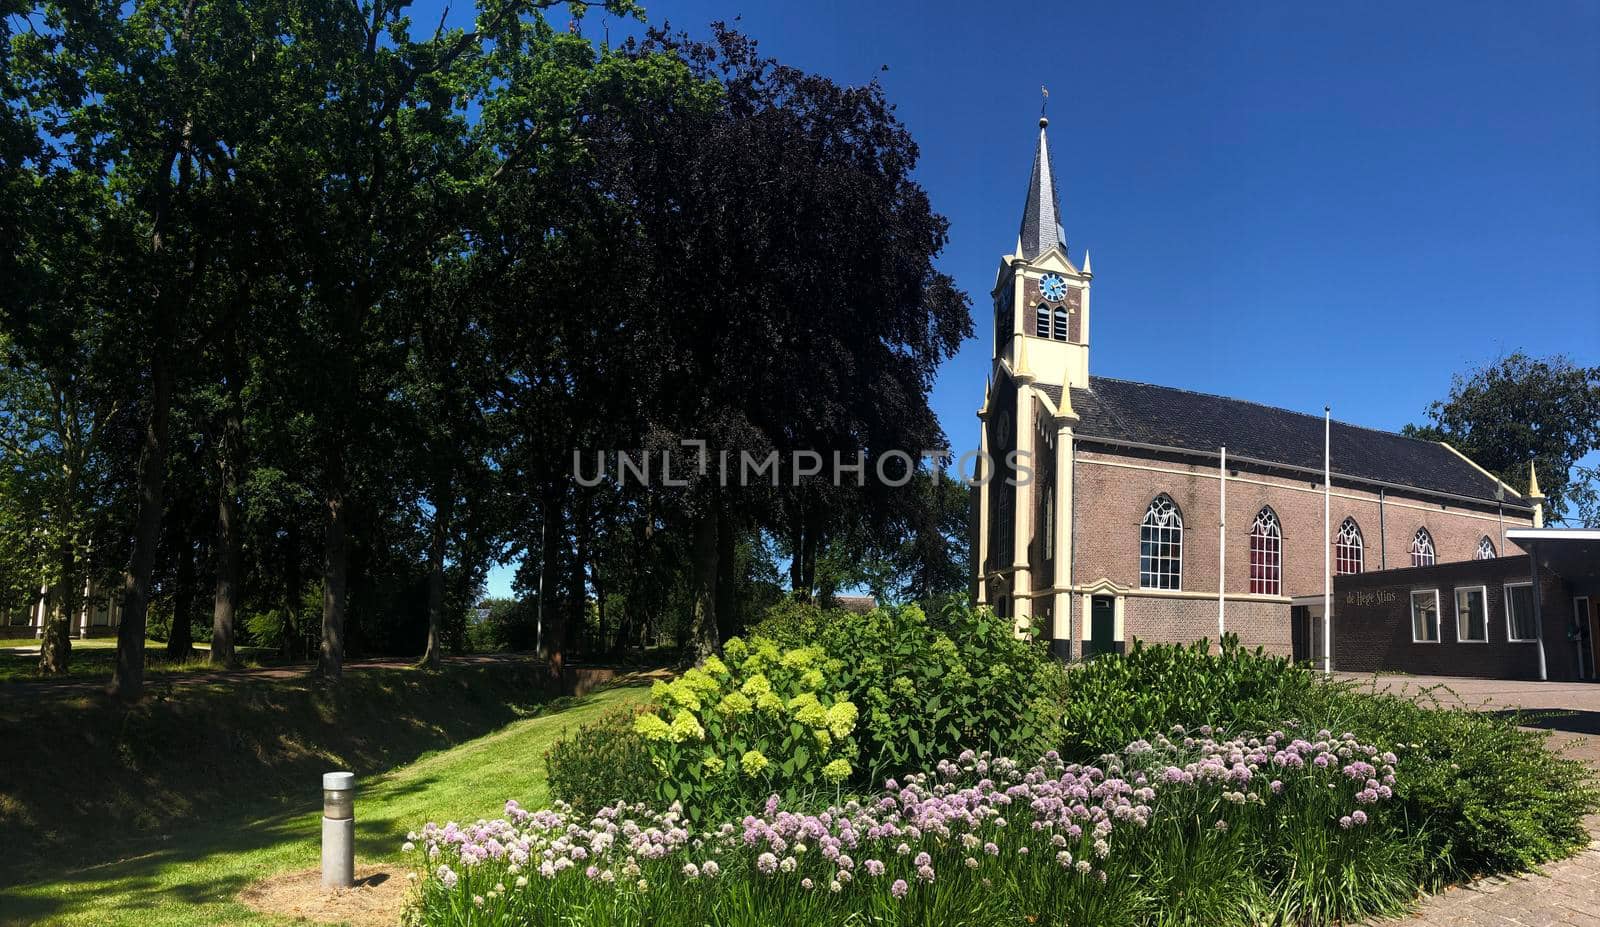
{"x":1422,"y":548}
{"x":1041,"y":324}
{"x":1347,"y":548}
{"x":1049,"y":525}
{"x":1485,"y":549}
{"x":1161,"y":545}
{"x":1061,"y":323}
{"x":1266,"y":553}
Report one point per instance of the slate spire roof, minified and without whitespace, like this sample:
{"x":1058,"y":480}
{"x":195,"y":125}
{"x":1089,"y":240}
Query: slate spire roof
{"x":1041,"y":215}
{"x":1161,"y":416}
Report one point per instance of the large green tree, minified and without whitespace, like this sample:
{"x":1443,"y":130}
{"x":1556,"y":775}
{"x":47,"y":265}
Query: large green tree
{"x":1520,"y":410}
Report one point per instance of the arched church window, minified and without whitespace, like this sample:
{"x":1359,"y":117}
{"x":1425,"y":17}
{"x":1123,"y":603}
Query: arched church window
{"x":1422,"y":548}
{"x":1347,"y":548}
{"x":1041,"y":325}
{"x":1485,"y":549}
{"x":1161,"y":545}
{"x":1061,"y":323}
{"x":1266,"y":553}
{"x":1049,"y":523}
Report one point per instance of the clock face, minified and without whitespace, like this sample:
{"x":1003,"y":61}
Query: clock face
{"x":1053,"y":287}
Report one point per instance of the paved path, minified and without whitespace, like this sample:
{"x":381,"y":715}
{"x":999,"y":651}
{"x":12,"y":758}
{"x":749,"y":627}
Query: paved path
{"x":1568,"y":892}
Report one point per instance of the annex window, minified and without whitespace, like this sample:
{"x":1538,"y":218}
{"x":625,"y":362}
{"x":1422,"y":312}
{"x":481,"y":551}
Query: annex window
{"x":1519,"y":613}
{"x":1425,"y":616}
{"x":1347,"y":548}
{"x":1266,"y":554}
{"x":1161,"y":545}
{"x":1472,"y":614}
{"x":1061,"y":323}
{"x":1041,"y":325}
{"x":1422,"y":548}
{"x":1485,"y":549}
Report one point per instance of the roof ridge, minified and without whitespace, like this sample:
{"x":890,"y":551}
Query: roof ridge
{"x":1262,"y":405}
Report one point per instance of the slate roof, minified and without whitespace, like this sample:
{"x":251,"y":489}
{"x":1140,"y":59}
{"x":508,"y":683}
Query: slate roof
{"x":1122,"y":410}
{"x":1041,"y":214}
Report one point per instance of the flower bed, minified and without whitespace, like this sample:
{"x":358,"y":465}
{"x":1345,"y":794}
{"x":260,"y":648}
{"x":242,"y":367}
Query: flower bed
{"x":1182,"y":830}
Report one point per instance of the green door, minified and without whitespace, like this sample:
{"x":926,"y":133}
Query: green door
{"x":1102,"y":625}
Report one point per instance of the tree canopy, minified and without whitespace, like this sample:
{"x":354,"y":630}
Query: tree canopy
{"x":307,"y":306}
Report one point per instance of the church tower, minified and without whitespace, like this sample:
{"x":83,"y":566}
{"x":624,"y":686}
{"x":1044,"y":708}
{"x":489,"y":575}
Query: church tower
{"x":1041,"y":353}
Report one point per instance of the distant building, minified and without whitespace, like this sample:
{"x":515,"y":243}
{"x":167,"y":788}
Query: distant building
{"x":1123,"y":533}
{"x":98,"y":615}
{"x":1528,"y":616}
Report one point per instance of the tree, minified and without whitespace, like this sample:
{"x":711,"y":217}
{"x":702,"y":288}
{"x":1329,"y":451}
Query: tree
{"x":1521,"y":409}
{"x":784,"y":295}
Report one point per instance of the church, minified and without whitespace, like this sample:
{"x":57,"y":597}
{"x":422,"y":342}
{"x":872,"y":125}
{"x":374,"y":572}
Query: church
{"x":1165,"y":515}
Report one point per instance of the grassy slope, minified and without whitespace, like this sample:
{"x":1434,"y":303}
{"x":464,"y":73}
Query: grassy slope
{"x":192,"y":880}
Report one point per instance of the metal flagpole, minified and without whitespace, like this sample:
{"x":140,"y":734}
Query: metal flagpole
{"x":1327,"y":543}
{"x":1222,"y":548}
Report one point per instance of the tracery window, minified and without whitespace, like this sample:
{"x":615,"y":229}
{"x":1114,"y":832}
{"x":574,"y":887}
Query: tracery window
{"x":1061,"y":323}
{"x":1266,"y":553}
{"x":1485,"y":549}
{"x":1347,"y":548}
{"x":1041,"y":325}
{"x":1161,"y":545}
{"x":1422,"y":548}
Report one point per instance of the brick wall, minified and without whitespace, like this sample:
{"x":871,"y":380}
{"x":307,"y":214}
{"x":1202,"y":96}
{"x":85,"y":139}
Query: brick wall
{"x":1174,"y":620}
{"x":1113,"y":490}
{"x":1372,"y":623}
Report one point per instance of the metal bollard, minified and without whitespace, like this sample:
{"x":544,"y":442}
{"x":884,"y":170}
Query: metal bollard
{"x":338,"y":830}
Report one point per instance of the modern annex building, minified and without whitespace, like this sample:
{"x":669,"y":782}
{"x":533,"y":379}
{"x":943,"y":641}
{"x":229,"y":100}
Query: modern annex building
{"x":1168,"y":515}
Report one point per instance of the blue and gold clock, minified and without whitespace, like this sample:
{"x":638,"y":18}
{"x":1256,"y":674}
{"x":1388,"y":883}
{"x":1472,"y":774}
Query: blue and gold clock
{"x":1053,"y":287}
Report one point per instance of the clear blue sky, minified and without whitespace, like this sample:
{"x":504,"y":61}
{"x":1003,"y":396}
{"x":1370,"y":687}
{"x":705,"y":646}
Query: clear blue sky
{"x":1297,"y":205}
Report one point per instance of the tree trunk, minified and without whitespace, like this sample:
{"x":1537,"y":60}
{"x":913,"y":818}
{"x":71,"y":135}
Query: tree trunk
{"x":180,"y":640}
{"x":226,"y":602}
{"x":552,"y":633}
{"x":55,"y":650}
{"x":703,"y":641}
{"x":291,"y":592}
{"x":443,"y":509}
{"x":127,"y":682}
{"x":577,"y":589}
{"x":727,"y":582}
{"x":335,"y":584}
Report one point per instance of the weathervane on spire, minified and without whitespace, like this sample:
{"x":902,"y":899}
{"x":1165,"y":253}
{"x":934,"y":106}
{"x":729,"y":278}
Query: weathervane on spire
{"x":1044,"y":92}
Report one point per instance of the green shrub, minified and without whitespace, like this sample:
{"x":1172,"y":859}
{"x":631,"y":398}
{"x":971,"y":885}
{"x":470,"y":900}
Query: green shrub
{"x":1481,"y":794}
{"x":1113,"y":700}
{"x":931,"y":687}
{"x":1487,"y":796}
{"x":602,"y":762}
{"x":724,"y":736}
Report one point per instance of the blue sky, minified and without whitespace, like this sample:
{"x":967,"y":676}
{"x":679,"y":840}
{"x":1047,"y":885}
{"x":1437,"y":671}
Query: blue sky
{"x":1294,"y":204}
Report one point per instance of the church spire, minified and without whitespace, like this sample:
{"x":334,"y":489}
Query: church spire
{"x":1041,"y":215}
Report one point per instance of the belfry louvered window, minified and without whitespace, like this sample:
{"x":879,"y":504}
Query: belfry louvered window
{"x":1485,"y":549}
{"x":1347,"y":548}
{"x":1422,"y":548}
{"x":1061,"y":323}
{"x":1266,"y":554}
{"x":1161,"y":545}
{"x":1041,"y":326}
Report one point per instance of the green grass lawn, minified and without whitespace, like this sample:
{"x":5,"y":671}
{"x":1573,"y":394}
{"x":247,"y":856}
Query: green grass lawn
{"x":94,"y":657}
{"x":191,"y":878}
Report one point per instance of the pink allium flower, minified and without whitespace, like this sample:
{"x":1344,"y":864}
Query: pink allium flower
{"x":899,"y":888}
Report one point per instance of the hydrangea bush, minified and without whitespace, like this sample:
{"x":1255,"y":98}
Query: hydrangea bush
{"x":979,"y":840}
{"x":725,"y":734}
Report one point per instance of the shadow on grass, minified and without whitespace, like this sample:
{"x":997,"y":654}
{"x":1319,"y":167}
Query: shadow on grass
{"x":209,"y":865}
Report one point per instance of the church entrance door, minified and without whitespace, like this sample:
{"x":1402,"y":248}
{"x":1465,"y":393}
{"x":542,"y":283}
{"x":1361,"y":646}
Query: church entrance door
{"x":1102,"y":625}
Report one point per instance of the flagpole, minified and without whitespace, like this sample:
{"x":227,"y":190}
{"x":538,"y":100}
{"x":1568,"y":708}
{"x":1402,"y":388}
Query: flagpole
{"x":1327,"y":542}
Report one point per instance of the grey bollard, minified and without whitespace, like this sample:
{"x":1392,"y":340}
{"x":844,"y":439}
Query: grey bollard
{"x":338,"y":830}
